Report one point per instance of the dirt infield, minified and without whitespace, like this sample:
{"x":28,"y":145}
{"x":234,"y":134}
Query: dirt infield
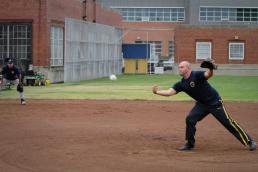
{"x":111,"y":136}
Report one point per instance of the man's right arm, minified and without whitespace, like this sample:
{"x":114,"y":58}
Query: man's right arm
{"x":208,"y":73}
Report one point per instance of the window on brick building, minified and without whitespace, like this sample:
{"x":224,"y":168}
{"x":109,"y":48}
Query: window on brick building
{"x":16,"y":43}
{"x":151,"y":14}
{"x":156,"y":46}
{"x":203,"y":50}
{"x":236,"y":51}
{"x":228,"y":14}
{"x":171,"y":50}
{"x":57,"y":46}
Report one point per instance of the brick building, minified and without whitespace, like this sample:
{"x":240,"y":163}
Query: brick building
{"x":32,"y":31}
{"x":225,"y":30}
{"x":218,"y":43}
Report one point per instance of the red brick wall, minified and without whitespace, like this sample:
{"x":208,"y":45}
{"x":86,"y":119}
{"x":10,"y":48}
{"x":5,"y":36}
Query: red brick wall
{"x":27,"y":11}
{"x":44,"y":13}
{"x":186,"y":37}
{"x":107,"y":16}
{"x":89,"y":11}
{"x":95,"y":12}
{"x":155,"y":31}
{"x":41,"y":13}
{"x":59,"y":9}
{"x":19,"y":9}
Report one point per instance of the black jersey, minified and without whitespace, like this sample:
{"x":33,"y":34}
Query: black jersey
{"x":10,"y":73}
{"x":198,"y":88}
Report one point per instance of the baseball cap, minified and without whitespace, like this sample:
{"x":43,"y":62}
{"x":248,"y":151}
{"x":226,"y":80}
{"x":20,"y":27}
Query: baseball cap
{"x":10,"y":61}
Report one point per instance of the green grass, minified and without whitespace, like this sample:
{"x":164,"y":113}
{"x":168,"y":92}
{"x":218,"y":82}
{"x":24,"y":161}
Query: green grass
{"x":233,"y":88}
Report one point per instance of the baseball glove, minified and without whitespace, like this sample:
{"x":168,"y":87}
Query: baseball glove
{"x":208,"y":64}
{"x":20,"y":88}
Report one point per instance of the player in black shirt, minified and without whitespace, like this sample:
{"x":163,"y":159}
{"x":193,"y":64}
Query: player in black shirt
{"x":12,"y":75}
{"x":195,"y":84}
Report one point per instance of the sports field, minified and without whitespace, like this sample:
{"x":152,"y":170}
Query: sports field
{"x":134,"y":87}
{"x":106,"y":126}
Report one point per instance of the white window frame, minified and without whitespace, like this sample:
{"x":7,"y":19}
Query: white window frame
{"x":243,"y":53}
{"x":153,"y":15}
{"x":57,"y":46}
{"x":228,"y":17}
{"x":196,"y":50}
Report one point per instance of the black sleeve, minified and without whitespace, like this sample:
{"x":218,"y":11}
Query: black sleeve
{"x":17,"y":72}
{"x":200,"y":75}
{"x":3,"y":71}
{"x":177,"y":87}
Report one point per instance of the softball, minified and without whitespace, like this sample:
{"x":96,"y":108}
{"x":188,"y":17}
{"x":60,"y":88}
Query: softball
{"x":112,"y":77}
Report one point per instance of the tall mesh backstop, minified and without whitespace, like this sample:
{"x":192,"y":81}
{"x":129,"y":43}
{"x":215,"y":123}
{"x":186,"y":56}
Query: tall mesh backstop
{"x":91,"y":50}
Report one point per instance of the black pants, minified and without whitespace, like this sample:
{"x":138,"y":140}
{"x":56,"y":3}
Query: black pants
{"x":200,"y":111}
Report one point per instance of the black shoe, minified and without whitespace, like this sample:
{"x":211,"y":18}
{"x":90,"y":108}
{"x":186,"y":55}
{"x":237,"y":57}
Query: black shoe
{"x":23,"y":102}
{"x":252,"y":145}
{"x":186,"y":147}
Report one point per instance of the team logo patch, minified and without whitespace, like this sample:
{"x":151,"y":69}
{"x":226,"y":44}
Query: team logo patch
{"x":192,"y":84}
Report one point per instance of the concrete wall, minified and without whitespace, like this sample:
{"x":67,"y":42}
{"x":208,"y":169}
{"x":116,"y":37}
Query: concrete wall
{"x":55,"y":74}
{"x":92,"y":50}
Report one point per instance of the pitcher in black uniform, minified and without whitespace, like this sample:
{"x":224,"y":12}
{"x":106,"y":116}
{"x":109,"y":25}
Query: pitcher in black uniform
{"x":194,"y":83}
{"x":12,"y":75}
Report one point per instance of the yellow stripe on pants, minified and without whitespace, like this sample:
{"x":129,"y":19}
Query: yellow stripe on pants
{"x":230,"y":120}
{"x":238,"y":126}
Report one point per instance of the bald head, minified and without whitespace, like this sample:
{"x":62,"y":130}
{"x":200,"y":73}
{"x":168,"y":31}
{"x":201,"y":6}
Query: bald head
{"x":185,"y":69}
{"x":185,"y":64}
